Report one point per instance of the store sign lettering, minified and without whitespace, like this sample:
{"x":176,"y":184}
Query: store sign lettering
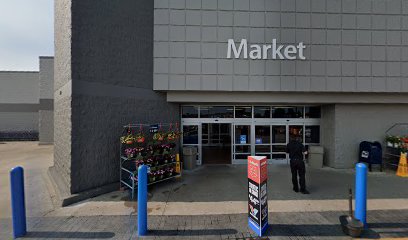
{"x":266,"y":51}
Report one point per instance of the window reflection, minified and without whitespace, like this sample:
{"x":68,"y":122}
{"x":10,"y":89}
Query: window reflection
{"x":189,"y":112}
{"x":296,"y":132}
{"x":262,"y":112}
{"x":312,"y":134}
{"x":279,"y":134}
{"x":262,"y":134}
{"x":190,"y":134}
{"x":312,"y":112}
{"x":262,"y":148}
{"x":242,"y":149}
{"x":216,"y":112}
{"x":242,"y":156}
{"x":287,"y":112}
{"x":243,"y":112}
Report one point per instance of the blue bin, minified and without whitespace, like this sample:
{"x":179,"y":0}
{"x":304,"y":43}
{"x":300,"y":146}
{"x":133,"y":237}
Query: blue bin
{"x":370,"y":153}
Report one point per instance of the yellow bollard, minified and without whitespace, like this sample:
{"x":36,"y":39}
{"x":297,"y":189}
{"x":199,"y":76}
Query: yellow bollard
{"x":178,"y":164}
{"x":402,"y":166}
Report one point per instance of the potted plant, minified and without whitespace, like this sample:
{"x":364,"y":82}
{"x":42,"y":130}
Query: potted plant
{"x":140,"y":138}
{"x":128,"y":139}
{"x":140,"y":157}
{"x":139,"y":149}
{"x":172,"y":146}
{"x":161,"y":174}
{"x":159,"y":136}
{"x":152,"y":177}
{"x":130,"y":152}
{"x":166,"y":158}
{"x":403,"y":144}
{"x":171,"y":135}
{"x":149,"y":149}
{"x":397,"y":142}
{"x":169,"y":172}
{"x":150,"y":161}
{"x":389,"y":140}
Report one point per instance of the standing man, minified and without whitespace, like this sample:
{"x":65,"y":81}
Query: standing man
{"x":296,"y":151}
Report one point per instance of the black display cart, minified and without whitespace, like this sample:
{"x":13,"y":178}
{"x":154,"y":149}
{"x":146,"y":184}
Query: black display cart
{"x":153,"y":145}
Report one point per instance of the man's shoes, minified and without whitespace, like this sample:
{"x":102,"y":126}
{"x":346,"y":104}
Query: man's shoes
{"x":295,"y":189}
{"x":305,"y":192}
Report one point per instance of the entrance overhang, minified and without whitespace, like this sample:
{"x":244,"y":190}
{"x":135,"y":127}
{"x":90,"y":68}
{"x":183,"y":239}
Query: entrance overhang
{"x":284,"y":97}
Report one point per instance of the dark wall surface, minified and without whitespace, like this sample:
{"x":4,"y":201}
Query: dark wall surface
{"x":112,"y":42}
{"x":112,"y":81}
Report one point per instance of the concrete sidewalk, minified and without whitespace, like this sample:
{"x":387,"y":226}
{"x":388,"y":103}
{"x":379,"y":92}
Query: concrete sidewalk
{"x":283,"y":225}
{"x":35,"y":159}
{"x":207,"y":203}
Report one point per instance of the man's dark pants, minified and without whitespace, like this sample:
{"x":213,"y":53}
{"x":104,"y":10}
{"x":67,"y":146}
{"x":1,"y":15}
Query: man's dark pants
{"x":298,"y":167}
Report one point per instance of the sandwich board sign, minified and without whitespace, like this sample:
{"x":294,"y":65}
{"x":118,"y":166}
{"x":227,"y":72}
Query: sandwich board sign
{"x":257,"y":194}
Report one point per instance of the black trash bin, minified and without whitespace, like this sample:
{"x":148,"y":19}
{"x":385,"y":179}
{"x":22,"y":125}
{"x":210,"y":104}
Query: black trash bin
{"x":371,"y":153}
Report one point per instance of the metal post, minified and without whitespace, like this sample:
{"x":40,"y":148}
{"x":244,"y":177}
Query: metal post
{"x":142,"y":201}
{"x":18,"y":202}
{"x":361,"y":193}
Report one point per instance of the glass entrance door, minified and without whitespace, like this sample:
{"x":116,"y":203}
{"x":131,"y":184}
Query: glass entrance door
{"x":281,"y":136}
{"x":191,"y":137}
{"x":295,"y":133}
{"x":279,"y":141}
{"x":263,"y":140}
{"x":216,"y":143}
{"x":242,"y":142}
{"x":252,"y":130}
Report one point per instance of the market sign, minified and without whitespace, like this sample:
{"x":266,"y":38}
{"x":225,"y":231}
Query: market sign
{"x":257,"y":194}
{"x":265,"y":51}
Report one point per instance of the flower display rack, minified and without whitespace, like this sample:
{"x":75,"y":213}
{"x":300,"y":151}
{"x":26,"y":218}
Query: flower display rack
{"x":153,"y":145}
{"x":396,"y":142}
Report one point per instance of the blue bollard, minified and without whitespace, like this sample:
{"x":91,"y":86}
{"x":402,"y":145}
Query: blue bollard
{"x":142,"y":201}
{"x":18,"y":202}
{"x":360,"y":212}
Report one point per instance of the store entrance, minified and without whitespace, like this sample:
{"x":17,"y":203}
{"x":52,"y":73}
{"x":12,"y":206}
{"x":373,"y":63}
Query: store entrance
{"x":216,"y":143}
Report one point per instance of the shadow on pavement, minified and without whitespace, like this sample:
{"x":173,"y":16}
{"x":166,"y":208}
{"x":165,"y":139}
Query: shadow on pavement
{"x":74,"y":235}
{"x":313,"y":230}
{"x":193,"y":232}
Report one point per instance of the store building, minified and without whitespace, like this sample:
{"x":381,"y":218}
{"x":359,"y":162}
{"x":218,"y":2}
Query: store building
{"x":241,"y":76}
{"x":26,"y":104}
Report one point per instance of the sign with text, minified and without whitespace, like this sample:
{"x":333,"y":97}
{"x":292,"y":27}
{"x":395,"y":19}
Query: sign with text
{"x":257,"y":194}
{"x":154,"y":128}
{"x":265,"y":51}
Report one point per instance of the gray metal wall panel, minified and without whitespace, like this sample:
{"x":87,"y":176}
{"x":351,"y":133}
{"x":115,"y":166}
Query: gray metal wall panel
{"x":46,"y":126}
{"x":18,"y":121}
{"x":46,"y":75}
{"x":369,"y":123}
{"x":352,"y":46}
{"x":19,"y":87}
{"x":46,"y":113}
{"x":19,"y":102}
{"x":328,"y":134}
